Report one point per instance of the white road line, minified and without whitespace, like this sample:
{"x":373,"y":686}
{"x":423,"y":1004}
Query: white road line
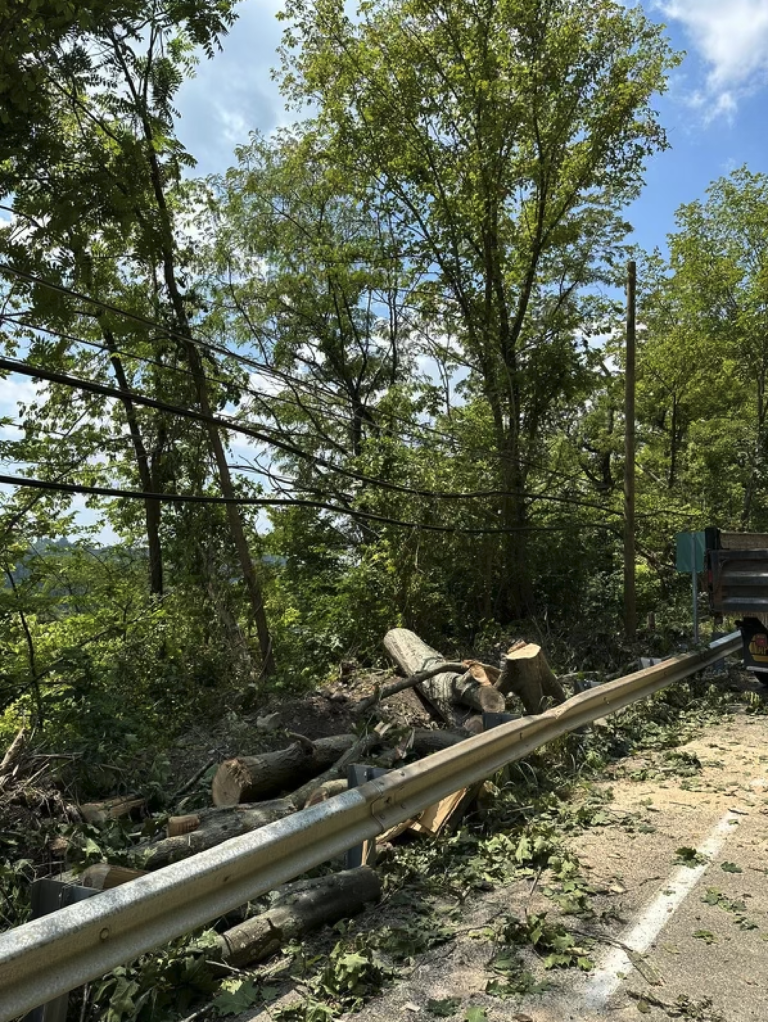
{"x":607,"y":978}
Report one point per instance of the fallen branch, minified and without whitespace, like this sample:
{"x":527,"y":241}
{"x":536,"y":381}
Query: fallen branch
{"x":405,"y":683}
{"x":215,"y":826}
{"x":192,"y":781}
{"x":13,"y":754}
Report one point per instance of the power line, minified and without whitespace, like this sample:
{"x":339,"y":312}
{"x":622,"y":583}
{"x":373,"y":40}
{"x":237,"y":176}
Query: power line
{"x":38,"y":372}
{"x":262,"y":367}
{"x":185,"y":498}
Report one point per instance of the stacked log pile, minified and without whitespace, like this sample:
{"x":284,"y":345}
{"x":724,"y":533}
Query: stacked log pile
{"x":249,"y":792}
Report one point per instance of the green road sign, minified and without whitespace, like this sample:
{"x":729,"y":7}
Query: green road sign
{"x":690,"y":551}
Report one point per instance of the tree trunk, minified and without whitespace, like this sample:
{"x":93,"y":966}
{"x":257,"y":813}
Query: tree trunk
{"x":300,"y":908}
{"x":151,"y":507}
{"x":526,"y":673}
{"x":248,"y":778}
{"x":413,"y":656}
{"x":515,"y":599}
{"x":216,"y":825}
{"x":168,"y":250}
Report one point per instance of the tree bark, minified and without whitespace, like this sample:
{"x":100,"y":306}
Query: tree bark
{"x":423,"y":742}
{"x":216,"y":825}
{"x":444,"y":690}
{"x":167,"y":250}
{"x":300,"y":908}
{"x":526,"y":674}
{"x":405,"y":683}
{"x":358,"y":750}
{"x":249,"y":778}
{"x":151,"y":507}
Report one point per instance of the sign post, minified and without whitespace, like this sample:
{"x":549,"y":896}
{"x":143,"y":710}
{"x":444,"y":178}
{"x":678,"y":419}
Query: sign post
{"x":690,"y":548}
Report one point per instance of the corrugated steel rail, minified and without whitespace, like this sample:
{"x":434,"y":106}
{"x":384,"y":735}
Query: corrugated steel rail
{"x":52,"y":955}
{"x":738,"y":581}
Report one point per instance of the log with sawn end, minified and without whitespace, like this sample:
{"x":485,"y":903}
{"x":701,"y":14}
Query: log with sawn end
{"x":215,"y":826}
{"x":413,"y":656}
{"x":250,"y":778}
{"x":299,"y":908}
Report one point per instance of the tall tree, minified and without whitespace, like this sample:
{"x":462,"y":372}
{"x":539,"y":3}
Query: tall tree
{"x":99,"y":196}
{"x":502,"y":139}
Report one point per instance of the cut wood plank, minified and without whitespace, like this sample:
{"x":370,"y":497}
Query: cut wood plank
{"x":434,"y":819}
{"x":111,"y":809}
{"x":299,"y":908}
{"x":413,"y":656}
{"x":249,"y":778}
{"x":103,"y":876}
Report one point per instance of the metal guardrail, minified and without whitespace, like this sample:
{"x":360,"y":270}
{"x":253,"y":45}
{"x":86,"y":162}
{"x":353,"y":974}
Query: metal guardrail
{"x":52,"y":955}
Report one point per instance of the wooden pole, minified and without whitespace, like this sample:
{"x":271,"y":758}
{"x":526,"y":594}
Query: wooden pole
{"x":630,"y":605}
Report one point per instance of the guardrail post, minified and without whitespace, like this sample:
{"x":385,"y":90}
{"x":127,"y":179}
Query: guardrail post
{"x":358,"y":774}
{"x":49,"y":896}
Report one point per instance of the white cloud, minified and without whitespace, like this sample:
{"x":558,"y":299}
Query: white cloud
{"x":234,"y":93}
{"x":731,"y":37}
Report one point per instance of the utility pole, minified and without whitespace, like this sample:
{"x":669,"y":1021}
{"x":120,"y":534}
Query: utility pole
{"x":630,"y":605}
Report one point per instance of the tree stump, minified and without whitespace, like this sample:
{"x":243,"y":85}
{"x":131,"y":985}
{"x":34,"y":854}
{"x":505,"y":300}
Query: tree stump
{"x":526,"y":674}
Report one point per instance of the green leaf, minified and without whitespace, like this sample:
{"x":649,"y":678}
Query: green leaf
{"x":687,"y":856}
{"x":730,"y":867}
{"x":475,"y":1014}
{"x":444,"y":1008}
{"x":237,"y":995}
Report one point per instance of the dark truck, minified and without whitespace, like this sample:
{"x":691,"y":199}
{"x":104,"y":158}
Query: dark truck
{"x":737,"y":581}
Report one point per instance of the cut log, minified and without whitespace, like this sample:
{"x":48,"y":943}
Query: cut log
{"x":484,"y":673}
{"x":111,"y":809}
{"x":103,"y":876}
{"x":405,"y":683}
{"x":250,"y":778}
{"x":526,"y":674}
{"x":422,"y":742}
{"x":327,"y":790}
{"x":413,"y":656}
{"x":479,"y":695}
{"x":300,"y":908}
{"x":216,"y":825}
